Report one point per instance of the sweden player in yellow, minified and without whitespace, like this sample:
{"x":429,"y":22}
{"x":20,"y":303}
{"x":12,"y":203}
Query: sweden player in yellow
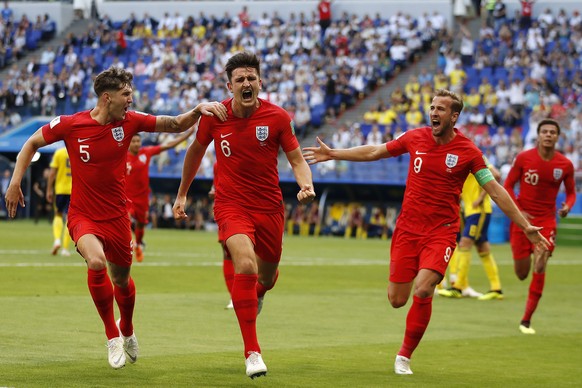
{"x":477,"y":214}
{"x":59,"y":190}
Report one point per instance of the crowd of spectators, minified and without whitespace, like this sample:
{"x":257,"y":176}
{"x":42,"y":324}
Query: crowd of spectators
{"x":19,"y":37}
{"x":517,"y":71}
{"x":178,"y":61}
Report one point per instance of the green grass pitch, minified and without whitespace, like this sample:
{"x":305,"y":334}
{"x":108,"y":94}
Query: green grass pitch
{"x":327,"y":323}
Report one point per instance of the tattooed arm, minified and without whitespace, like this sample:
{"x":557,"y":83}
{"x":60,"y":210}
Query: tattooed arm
{"x":186,"y":120}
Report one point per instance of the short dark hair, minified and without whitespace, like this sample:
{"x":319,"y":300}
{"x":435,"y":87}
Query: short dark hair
{"x":242,"y":59}
{"x":112,"y":79}
{"x":548,"y":122}
{"x":457,"y":105}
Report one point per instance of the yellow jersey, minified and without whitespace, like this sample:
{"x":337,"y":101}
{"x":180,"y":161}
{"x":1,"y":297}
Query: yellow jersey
{"x":470,"y":193}
{"x":63,"y":181}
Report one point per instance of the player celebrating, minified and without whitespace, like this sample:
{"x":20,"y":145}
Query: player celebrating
{"x":248,"y":206}
{"x":425,"y":236}
{"x":137,"y":184}
{"x":540,"y":172}
{"x":97,"y":141}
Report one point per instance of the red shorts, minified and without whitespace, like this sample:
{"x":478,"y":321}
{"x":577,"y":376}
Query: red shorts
{"x":264,"y":229}
{"x":115,"y":235}
{"x":521,"y":247}
{"x":410,"y":253}
{"x":139,"y":211}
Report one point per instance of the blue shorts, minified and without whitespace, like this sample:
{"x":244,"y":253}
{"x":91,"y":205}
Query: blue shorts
{"x":62,"y":203}
{"x":476,"y":226}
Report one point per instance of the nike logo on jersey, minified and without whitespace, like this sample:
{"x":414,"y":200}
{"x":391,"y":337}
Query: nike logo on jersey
{"x":420,"y":153}
{"x":227,"y":135}
{"x":82,"y":140}
{"x":530,"y":170}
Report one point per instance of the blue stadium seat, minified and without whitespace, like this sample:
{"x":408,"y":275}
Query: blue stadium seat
{"x":317,"y":115}
{"x":32,"y":39}
{"x":501,"y":74}
{"x":86,"y":52}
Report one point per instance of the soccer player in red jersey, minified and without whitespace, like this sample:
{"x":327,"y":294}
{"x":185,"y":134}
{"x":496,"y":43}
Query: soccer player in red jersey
{"x":248,"y":206}
{"x":425,"y":235}
{"x":137,"y":184}
{"x":97,"y":141}
{"x":540,"y":173}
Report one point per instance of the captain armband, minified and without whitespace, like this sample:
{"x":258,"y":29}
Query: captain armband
{"x":483,"y":176}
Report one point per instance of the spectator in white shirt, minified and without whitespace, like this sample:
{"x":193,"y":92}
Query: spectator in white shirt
{"x":302,"y":120}
{"x":70,"y":58}
{"x":399,"y":53}
{"x":476,"y":117}
{"x":374,"y":136}
{"x":47,"y":56}
{"x":546,"y":18}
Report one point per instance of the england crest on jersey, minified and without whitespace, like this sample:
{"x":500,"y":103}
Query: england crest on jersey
{"x":451,"y":160}
{"x":262,"y":132}
{"x":557,"y":173}
{"x":118,"y":133}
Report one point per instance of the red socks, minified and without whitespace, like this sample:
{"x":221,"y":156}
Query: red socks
{"x":228,"y":272}
{"x":244,"y":299}
{"x":416,"y":323}
{"x":535,"y":293}
{"x":101,"y":291}
{"x":125,"y":298}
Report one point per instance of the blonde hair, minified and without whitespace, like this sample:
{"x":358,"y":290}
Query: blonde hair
{"x":457,"y":105}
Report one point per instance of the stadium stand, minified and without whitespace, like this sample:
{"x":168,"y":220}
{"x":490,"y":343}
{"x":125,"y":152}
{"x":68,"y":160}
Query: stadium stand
{"x":514,"y":75}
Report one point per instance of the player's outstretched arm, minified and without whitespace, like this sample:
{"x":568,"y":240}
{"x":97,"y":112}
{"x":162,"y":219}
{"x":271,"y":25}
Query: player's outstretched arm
{"x":14,"y":195}
{"x":363,"y":153}
{"x":186,"y":120}
{"x":192,"y":161}
{"x":506,"y":204}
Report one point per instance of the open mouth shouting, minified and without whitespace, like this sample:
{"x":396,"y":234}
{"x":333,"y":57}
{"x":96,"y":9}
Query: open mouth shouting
{"x":247,"y":95}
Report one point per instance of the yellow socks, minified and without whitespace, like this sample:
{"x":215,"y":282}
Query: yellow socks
{"x":464,"y":262}
{"x":491,"y":270}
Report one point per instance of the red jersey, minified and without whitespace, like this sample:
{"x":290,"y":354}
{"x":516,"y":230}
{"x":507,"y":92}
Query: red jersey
{"x":137,"y":185}
{"x":539,"y":182}
{"x":246,"y":155}
{"x":97,"y":154}
{"x":526,"y":8}
{"x":324,"y":8}
{"x":436,"y":175}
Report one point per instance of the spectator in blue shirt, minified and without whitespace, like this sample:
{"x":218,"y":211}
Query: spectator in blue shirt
{"x":7,"y":13}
